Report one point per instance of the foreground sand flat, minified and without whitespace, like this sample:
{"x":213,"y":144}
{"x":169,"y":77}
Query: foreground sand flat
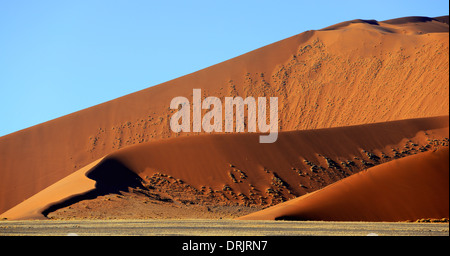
{"x":217,"y":228}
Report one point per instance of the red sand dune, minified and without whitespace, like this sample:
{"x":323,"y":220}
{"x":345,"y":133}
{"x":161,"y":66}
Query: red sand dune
{"x":409,"y":188}
{"x":263,"y":174}
{"x":353,"y":73}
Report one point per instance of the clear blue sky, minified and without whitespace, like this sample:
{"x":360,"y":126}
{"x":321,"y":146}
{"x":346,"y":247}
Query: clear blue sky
{"x":58,"y":57}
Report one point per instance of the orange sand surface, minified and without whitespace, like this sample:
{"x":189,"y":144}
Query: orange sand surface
{"x":410,"y":188}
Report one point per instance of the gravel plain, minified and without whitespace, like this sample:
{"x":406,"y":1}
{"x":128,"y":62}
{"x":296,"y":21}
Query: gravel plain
{"x":198,"y":227}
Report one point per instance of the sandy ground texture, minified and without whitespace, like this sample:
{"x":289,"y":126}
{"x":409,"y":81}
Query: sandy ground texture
{"x":217,"y":228}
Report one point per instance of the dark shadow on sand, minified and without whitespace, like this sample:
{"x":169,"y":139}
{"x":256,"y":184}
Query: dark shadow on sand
{"x":111,"y":177}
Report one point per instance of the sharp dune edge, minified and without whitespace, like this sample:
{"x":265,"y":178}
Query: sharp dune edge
{"x":353,"y":95}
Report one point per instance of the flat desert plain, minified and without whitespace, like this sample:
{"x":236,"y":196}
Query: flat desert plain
{"x":218,"y":228}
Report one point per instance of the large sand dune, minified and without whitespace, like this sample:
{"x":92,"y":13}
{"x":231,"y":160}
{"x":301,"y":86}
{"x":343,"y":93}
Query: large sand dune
{"x":353,"y":73}
{"x":236,"y":169}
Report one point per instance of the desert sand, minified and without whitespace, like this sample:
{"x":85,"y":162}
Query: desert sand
{"x":356,"y":96}
{"x":410,"y":188}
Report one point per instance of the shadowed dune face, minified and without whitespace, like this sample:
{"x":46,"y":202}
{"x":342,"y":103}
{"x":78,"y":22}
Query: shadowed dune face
{"x":359,"y":72}
{"x":413,"y":19}
{"x":110,"y":176}
{"x":410,"y":24}
{"x":410,"y":188}
{"x":443,"y":19}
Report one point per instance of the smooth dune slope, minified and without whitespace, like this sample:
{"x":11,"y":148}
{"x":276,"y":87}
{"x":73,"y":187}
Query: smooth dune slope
{"x":406,"y":189}
{"x":354,"y":73}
